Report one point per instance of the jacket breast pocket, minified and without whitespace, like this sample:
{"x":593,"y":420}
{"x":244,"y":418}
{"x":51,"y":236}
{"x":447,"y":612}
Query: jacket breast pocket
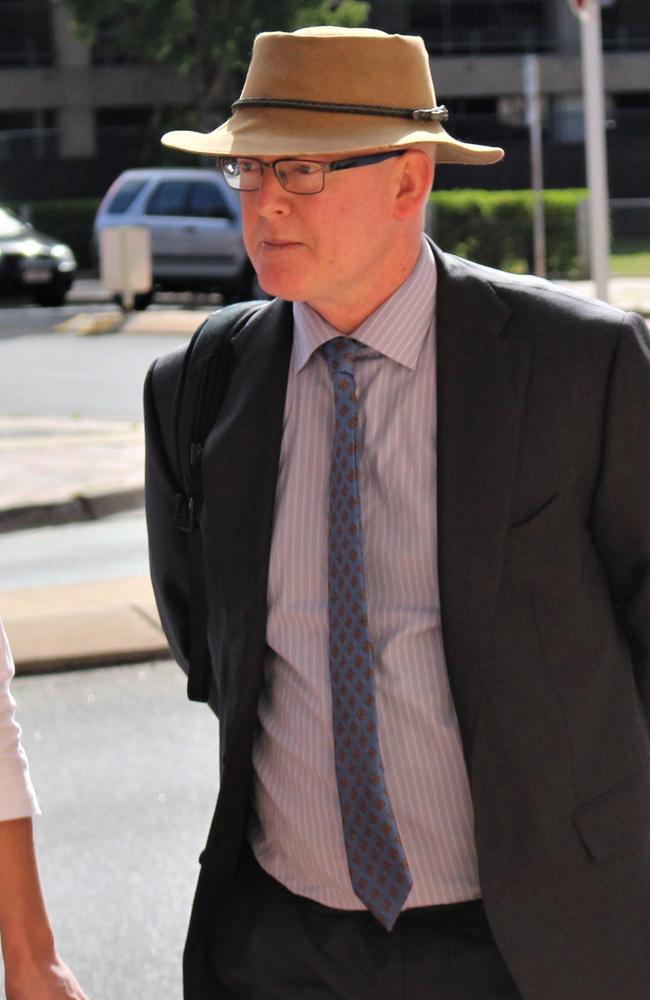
{"x":530,"y":537}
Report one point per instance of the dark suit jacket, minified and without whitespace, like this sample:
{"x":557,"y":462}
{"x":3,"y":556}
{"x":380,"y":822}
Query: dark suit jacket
{"x":544,"y":565}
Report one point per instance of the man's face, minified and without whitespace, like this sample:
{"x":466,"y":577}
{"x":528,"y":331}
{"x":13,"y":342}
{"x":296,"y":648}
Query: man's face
{"x":326,"y":249}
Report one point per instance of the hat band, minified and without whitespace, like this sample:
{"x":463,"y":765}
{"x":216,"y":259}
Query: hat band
{"x":438,"y":114}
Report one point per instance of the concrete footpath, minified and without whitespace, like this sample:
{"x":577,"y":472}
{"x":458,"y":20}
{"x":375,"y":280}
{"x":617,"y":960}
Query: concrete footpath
{"x":58,"y":470}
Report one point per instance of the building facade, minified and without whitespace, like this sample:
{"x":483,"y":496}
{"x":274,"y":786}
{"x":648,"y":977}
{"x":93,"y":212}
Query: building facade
{"x":72,"y":116}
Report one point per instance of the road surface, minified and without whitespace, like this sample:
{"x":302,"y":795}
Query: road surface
{"x":126,"y":771}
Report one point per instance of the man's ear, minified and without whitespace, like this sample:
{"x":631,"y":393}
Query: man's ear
{"x":416,"y":172}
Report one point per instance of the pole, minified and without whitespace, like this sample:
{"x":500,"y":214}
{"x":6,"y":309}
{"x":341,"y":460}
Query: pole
{"x":534,"y":121}
{"x":596,"y":146}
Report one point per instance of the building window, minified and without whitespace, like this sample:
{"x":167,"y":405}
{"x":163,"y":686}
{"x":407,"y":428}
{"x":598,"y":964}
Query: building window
{"x":474,"y":118}
{"x":454,"y":27}
{"x":128,"y":132}
{"x":27,"y":135}
{"x":106,"y":50}
{"x":626,"y":25}
{"x":567,"y":119}
{"x":630,"y":114}
{"x":25,"y":33}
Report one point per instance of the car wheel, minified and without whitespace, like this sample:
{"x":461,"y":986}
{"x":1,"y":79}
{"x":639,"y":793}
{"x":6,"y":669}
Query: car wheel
{"x":140,"y":300}
{"x":52,"y":297}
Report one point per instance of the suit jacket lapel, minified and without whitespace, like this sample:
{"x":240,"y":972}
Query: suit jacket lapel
{"x":482,"y":377}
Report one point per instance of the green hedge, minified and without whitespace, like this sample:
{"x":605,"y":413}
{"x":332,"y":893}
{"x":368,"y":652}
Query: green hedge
{"x":70,"y":221}
{"x":496,"y":227}
{"x":491,"y":227}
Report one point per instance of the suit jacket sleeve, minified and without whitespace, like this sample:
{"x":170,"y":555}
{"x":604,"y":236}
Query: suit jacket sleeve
{"x":621,"y":509}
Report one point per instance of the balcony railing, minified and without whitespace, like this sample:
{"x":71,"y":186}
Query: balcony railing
{"x":455,"y":27}
{"x":458,"y":27}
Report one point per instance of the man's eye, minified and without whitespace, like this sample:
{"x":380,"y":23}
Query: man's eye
{"x":247,"y":166}
{"x":304,"y":168}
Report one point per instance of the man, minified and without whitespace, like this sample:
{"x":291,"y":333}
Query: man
{"x":408,"y":448}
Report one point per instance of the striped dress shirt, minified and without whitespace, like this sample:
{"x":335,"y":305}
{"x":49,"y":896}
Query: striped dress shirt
{"x":295,"y":829}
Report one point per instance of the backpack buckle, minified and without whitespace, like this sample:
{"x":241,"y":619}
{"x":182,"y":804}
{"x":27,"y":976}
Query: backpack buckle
{"x":184,"y":513}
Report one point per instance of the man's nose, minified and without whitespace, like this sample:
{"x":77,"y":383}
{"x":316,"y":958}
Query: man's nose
{"x":270,"y":197}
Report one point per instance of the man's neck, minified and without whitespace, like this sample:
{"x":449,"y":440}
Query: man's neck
{"x":347,"y":313}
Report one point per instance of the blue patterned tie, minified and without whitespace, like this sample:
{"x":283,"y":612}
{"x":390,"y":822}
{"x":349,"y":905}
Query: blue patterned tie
{"x":376,"y":860}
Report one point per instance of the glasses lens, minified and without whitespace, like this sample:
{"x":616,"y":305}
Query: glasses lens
{"x":240,"y":173}
{"x":300,"y":176}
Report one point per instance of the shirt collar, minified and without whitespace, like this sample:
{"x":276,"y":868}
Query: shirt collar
{"x":397,"y":328}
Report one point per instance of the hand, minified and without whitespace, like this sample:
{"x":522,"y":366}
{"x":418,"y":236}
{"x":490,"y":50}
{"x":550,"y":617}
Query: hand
{"x":42,"y":980}
{"x":33,"y":968}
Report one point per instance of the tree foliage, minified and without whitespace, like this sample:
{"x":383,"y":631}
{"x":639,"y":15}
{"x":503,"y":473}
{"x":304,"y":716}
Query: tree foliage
{"x":344,"y":13}
{"x":205,"y":38}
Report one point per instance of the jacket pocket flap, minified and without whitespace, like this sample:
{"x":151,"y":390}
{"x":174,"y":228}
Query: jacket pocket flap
{"x":618,"y":820}
{"x":527,"y":536}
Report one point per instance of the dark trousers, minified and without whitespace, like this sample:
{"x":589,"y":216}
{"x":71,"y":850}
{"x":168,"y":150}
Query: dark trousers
{"x":270,"y":944}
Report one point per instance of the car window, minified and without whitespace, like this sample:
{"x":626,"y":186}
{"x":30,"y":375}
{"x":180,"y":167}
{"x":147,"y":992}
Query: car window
{"x":10,"y":224}
{"x":207,"y":201}
{"x":169,"y":198}
{"x":124,"y":197}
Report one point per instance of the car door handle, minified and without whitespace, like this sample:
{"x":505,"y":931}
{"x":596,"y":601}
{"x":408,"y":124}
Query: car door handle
{"x":189,"y":229}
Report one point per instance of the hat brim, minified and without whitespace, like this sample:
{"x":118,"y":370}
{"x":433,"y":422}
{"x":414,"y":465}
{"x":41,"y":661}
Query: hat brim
{"x":281,"y":132}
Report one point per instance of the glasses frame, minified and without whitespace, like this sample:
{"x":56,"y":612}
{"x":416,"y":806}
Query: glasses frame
{"x":326,"y":168}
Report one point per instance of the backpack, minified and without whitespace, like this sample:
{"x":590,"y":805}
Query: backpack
{"x":199,"y":391}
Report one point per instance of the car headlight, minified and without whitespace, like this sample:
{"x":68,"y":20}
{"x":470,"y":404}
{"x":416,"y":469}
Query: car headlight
{"x":63,"y":252}
{"x":32,"y":248}
{"x":64,"y":257}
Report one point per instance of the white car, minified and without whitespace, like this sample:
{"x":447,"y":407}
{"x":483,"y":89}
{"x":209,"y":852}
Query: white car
{"x":195,"y":224}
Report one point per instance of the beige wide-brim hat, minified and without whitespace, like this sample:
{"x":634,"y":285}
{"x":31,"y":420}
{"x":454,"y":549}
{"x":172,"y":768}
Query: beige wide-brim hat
{"x":335,"y":90}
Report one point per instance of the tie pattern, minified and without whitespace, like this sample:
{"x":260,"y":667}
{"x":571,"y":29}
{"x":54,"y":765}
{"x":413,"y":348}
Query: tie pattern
{"x":377,"y":863}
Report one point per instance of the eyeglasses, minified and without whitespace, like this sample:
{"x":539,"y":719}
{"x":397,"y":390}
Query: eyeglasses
{"x":296,"y":176}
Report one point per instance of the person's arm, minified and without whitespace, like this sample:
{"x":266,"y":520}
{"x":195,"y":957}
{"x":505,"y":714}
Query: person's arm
{"x":169,"y":558}
{"x":33,"y":968}
{"x":621,"y":507}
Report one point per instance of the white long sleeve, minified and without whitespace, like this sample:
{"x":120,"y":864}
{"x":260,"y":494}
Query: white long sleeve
{"x":17,"y":795}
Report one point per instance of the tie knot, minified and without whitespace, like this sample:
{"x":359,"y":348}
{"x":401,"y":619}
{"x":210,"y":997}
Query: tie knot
{"x":341,"y":354}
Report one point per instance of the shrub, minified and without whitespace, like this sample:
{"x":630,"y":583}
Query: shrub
{"x":496,"y":227}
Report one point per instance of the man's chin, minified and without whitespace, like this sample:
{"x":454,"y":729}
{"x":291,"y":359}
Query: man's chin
{"x":281,"y":287}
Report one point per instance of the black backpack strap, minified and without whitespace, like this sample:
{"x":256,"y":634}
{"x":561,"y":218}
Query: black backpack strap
{"x":201,"y":389}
